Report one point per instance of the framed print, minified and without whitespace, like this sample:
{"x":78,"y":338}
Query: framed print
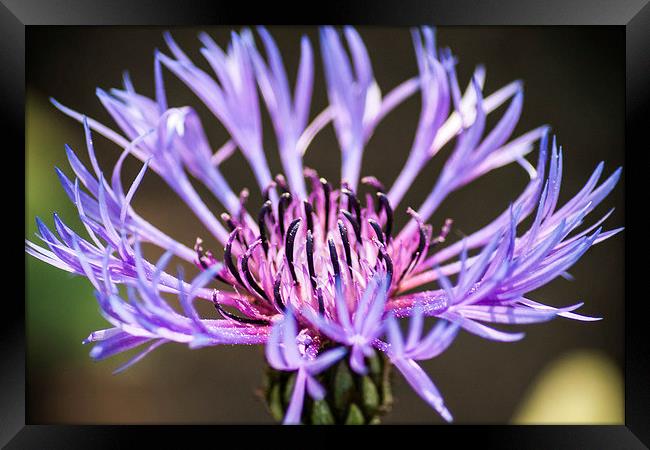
{"x":405,"y":214}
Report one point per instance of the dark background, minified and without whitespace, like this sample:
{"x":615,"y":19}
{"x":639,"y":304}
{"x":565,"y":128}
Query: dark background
{"x":574,"y":81}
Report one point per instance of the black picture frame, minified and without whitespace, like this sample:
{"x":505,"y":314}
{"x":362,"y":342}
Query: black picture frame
{"x":634,"y":15}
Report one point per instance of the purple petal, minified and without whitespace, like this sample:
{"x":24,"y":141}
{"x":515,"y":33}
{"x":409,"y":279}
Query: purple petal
{"x":139,"y":356}
{"x":294,"y":411}
{"x":481,"y":330}
{"x":423,"y":385}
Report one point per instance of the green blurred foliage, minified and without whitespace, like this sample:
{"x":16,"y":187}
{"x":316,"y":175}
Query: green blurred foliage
{"x":53,"y":296}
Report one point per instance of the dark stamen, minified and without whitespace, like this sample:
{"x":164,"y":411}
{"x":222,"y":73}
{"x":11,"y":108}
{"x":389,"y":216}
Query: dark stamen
{"x":198,"y":248}
{"x":282,"y":183}
{"x":415,"y":256}
{"x":267,"y":190}
{"x":383,"y":199}
{"x":228,"y":258}
{"x":346,"y":244}
{"x":377,"y":185}
{"x":354,"y":202}
{"x":312,"y":175}
{"x":285,"y":200}
{"x":232,"y":316}
{"x":421,"y":244}
{"x":266,"y":209}
{"x":276,"y":293}
{"x":249,"y":276}
{"x":310,"y":259}
{"x":327,"y":190}
{"x":374,"y":182}
{"x":308,"y":215}
{"x":312,"y":274}
{"x":232,"y":226}
{"x":355,"y":224}
{"x":334,"y":257}
{"x":228,"y":221}
{"x":389,"y":264}
{"x":288,"y":246}
{"x":375,"y":226}
{"x":200,"y":255}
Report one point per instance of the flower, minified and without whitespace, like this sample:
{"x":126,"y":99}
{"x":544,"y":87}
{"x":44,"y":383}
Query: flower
{"x":319,"y":274}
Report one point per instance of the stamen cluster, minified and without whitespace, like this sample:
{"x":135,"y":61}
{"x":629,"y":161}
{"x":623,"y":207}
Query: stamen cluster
{"x":303,"y":253}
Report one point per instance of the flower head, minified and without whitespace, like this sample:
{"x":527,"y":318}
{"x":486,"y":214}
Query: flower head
{"x":318,"y":271}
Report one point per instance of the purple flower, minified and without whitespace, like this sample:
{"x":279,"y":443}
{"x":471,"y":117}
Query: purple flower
{"x":317,"y":269}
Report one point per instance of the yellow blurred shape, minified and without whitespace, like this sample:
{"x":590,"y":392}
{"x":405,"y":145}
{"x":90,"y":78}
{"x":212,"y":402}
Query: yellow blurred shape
{"x":581,"y":387}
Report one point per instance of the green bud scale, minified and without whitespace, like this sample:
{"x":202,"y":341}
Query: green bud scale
{"x":351,"y":399}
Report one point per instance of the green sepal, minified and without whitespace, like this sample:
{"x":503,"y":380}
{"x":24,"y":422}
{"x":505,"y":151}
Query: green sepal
{"x":386,"y":390}
{"x":288,"y":388}
{"x":375,"y":368}
{"x":275,"y":403}
{"x":321,"y":413}
{"x":350,"y":398}
{"x":343,"y":386}
{"x":369,"y":395}
{"x":376,"y":420}
{"x":355,"y":416}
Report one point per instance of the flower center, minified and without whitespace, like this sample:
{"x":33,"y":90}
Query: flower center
{"x":305,"y":252}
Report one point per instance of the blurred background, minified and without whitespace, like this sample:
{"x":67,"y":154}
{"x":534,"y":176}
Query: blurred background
{"x":562,"y":372}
